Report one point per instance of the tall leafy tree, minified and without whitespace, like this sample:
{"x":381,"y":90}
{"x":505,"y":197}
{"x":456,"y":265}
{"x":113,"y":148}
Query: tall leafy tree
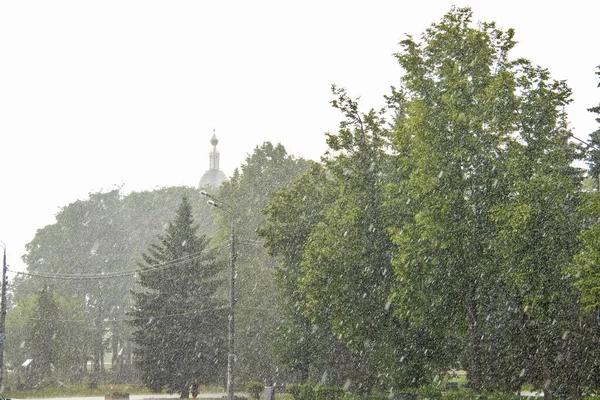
{"x":179,"y":327}
{"x":587,"y":262}
{"x":267,"y":169}
{"x":301,"y":345}
{"x":489,"y":186}
{"x":593,"y":157}
{"x":538,"y":232}
{"x":89,"y":236}
{"x":452,"y":133}
{"x":347,"y":271}
{"x":585,"y":270}
{"x":44,"y":329}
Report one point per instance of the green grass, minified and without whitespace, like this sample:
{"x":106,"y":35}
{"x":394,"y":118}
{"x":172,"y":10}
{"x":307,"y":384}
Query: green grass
{"x":74,"y":391}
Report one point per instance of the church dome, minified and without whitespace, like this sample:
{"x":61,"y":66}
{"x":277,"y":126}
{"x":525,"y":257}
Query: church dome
{"x":212,"y":178}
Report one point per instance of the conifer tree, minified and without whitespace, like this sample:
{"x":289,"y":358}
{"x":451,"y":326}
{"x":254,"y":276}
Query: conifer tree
{"x":179,"y":328}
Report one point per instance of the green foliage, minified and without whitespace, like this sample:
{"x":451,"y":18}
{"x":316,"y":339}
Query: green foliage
{"x":294,"y":390}
{"x":328,"y":392}
{"x":585,"y":269}
{"x":593,"y":153}
{"x":104,"y":234}
{"x":346,"y":265}
{"x":588,"y":275}
{"x":447,"y":239}
{"x":267,"y":169}
{"x":255,"y":389}
{"x":489,"y":201}
{"x":51,"y":330}
{"x":179,"y":328}
{"x":302,"y":391}
{"x":301,"y":346}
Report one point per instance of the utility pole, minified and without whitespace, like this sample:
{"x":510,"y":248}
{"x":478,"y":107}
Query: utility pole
{"x":232,"y":276}
{"x":231,"y":326}
{"x":3,"y":315}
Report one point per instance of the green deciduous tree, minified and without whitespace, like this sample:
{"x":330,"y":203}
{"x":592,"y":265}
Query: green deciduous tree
{"x":490,"y":199}
{"x":179,"y":327}
{"x":302,"y":346}
{"x":347,"y":271}
{"x":267,"y":169}
{"x":52,"y":331}
{"x":593,"y":157}
{"x":88,"y":237}
{"x":585,"y":270}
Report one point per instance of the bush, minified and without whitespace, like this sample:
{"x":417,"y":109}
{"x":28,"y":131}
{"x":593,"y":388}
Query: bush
{"x":374,"y":395}
{"x":432,"y":392}
{"x":328,"y":393}
{"x":255,"y":389}
{"x":294,"y":390}
{"x":301,"y":391}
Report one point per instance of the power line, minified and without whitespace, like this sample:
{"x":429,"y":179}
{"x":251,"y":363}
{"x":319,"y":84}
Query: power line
{"x":125,"y":319}
{"x":124,"y":273}
{"x":108,"y":320}
{"x":116,"y":274}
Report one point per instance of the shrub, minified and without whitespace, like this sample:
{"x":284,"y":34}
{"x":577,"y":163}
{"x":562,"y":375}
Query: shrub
{"x":255,"y":389}
{"x":301,"y":391}
{"x":294,"y":390}
{"x":328,"y":393}
{"x":374,"y":395}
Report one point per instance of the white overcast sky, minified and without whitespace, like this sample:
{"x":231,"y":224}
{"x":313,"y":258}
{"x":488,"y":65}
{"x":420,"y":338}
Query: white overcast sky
{"x":99,"y":94}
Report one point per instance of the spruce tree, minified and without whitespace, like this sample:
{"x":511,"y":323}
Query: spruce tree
{"x":179,"y":328}
{"x":40,"y":340}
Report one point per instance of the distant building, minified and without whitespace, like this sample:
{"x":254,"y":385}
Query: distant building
{"x":214,"y":176}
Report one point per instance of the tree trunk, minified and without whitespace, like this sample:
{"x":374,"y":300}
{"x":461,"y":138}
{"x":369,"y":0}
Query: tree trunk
{"x":473,"y":348}
{"x":185,"y":391}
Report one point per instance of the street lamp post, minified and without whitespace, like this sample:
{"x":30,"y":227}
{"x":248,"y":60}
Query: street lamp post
{"x":213,"y":202}
{"x":3,"y":314}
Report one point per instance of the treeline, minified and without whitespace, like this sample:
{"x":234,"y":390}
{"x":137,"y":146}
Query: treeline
{"x":86,"y":302}
{"x":84,"y":267}
{"x":448,"y":230}
{"x":451,"y":229}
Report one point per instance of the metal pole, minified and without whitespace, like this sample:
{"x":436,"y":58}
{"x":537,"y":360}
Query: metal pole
{"x":231,"y":354}
{"x":3,"y":316}
{"x":231,"y":324}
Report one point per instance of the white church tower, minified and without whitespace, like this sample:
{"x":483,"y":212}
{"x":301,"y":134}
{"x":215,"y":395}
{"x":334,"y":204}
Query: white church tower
{"x":214,"y":176}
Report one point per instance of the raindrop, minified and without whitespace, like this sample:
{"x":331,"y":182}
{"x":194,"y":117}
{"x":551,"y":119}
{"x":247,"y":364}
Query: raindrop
{"x":347,"y":385}
{"x":324,"y":378}
{"x":94,"y":248}
{"x":388,"y":305}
